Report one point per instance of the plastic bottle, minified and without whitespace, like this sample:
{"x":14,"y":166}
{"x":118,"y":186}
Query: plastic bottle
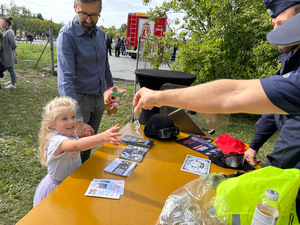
{"x":267,"y":210}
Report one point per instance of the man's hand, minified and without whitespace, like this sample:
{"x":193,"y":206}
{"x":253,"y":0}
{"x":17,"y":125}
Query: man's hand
{"x":84,"y":130}
{"x":143,"y":99}
{"x":250,"y":156}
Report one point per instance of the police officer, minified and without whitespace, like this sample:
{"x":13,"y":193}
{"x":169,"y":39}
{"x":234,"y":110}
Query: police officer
{"x":289,"y":137}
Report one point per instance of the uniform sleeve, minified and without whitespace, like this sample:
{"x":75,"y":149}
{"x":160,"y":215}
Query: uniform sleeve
{"x":265,"y":127}
{"x":284,"y":91}
{"x":286,"y":152}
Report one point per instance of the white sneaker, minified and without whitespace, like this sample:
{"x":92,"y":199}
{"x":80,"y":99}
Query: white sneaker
{"x":8,"y":83}
{"x":11,"y":86}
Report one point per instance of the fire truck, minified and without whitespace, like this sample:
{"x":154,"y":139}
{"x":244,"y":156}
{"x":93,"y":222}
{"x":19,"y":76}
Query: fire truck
{"x":138,"y":25}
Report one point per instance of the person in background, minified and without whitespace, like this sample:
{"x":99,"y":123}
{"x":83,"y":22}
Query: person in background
{"x":123,"y":43}
{"x":83,"y":71}
{"x":174,"y":53}
{"x":117,"y":45}
{"x":59,"y":146}
{"x":108,"y":43}
{"x":9,"y":53}
{"x":2,"y":67}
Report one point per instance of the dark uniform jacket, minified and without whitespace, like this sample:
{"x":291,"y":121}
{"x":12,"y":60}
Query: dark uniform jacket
{"x":288,"y":125}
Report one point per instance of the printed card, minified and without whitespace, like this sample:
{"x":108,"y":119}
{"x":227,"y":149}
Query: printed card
{"x":196,"y":165}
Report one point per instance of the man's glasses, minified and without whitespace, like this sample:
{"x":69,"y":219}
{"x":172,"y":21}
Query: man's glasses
{"x":84,"y":15}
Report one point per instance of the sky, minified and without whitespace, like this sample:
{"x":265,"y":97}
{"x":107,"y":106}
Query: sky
{"x":114,"y":12}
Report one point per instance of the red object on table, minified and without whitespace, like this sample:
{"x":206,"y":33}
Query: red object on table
{"x":230,"y":145}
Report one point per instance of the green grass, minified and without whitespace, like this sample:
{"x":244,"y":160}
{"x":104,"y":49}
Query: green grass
{"x":21,"y":109}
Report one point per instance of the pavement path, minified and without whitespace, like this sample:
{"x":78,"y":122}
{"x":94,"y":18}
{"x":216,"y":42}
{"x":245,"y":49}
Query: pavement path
{"x":122,"y":67}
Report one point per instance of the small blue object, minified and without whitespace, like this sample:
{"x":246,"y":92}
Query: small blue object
{"x":287,"y":34}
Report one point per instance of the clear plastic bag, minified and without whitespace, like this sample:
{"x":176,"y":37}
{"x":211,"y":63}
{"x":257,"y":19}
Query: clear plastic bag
{"x":191,"y":204}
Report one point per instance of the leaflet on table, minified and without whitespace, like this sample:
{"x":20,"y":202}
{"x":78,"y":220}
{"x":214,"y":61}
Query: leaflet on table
{"x":199,"y":145}
{"x":120,"y":167}
{"x":104,"y":188}
{"x":137,"y":141}
{"x":196,"y":165}
{"x":119,"y":184}
{"x":134,"y":153}
{"x":210,"y":140}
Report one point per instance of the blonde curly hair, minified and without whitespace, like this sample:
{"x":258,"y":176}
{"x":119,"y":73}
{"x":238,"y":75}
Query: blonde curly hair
{"x":51,"y":111}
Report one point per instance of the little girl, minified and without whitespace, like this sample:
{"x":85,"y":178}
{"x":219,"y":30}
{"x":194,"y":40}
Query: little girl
{"x":59,"y":146}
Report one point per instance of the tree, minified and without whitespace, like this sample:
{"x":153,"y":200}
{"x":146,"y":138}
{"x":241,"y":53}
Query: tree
{"x":39,"y":16}
{"x":112,"y":31}
{"x":24,"y":20}
{"x":122,"y":30}
{"x":24,"y":12}
{"x":224,"y":38}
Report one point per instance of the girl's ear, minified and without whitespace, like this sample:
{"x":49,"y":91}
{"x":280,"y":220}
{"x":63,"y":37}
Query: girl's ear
{"x":51,"y":126}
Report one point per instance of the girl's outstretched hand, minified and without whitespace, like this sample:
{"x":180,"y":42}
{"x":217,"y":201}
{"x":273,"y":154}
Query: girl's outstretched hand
{"x":109,"y":135}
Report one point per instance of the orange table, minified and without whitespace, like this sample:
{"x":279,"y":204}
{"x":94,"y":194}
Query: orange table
{"x":146,"y":189}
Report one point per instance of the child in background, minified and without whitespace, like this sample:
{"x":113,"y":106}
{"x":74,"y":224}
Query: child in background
{"x":59,"y":146}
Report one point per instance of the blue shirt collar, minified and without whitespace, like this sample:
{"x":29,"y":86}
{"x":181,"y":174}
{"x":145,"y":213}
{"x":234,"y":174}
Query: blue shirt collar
{"x":79,"y":29}
{"x":287,"y":56}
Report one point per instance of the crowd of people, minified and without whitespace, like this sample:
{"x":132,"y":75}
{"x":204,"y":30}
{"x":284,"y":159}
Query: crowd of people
{"x":119,"y":44}
{"x":84,"y":75}
{"x":31,"y":36}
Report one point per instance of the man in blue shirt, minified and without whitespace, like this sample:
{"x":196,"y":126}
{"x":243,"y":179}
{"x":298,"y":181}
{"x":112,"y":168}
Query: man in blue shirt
{"x":83,"y":70}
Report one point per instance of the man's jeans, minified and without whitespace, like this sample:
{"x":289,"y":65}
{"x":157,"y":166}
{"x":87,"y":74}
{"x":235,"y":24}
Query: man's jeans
{"x":91,"y":108}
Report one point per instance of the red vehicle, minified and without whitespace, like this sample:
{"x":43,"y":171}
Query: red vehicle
{"x":138,"y":25}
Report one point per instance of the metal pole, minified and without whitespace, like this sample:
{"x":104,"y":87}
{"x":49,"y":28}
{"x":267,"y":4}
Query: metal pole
{"x":51,"y":48}
{"x":135,"y":79}
{"x":41,"y":54}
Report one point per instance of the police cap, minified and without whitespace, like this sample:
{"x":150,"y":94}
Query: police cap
{"x":287,"y":34}
{"x":274,"y":7}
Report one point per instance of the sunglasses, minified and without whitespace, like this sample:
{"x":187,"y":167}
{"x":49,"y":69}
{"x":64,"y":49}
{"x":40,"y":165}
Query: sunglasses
{"x":233,"y":160}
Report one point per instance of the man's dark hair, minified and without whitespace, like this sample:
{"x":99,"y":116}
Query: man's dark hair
{"x":86,"y":1}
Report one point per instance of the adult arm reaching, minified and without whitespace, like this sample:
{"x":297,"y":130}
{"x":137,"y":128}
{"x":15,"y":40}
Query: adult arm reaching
{"x":221,"y":96}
